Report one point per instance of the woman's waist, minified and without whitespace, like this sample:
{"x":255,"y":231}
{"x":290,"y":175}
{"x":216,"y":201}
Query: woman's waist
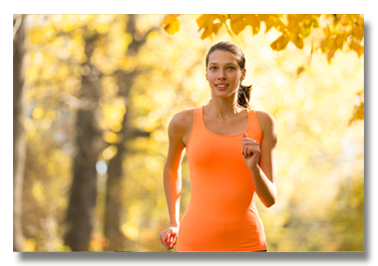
{"x":207,"y":211}
{"x":223,"y":197}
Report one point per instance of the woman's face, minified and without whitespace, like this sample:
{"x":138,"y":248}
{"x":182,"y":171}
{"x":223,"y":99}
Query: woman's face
{"x":223,"y":74}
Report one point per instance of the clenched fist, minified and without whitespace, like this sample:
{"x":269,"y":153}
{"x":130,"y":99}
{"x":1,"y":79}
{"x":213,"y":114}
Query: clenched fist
{"x":168,"y":237}
{"x":250,"y":151}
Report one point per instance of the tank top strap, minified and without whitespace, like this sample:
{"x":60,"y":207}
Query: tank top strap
{"x":254,"y":124}
{"x":198,"y":125}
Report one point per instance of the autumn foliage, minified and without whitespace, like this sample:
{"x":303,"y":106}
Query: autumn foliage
{"x":344,"y":29}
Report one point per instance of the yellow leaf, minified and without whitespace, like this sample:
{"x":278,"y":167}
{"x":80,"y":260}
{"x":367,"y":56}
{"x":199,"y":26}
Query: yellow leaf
{"x":360,"y":111}
{"x":357,"y":47}
{"x":360,"y":21}
{"x":328,"y":43}
{"x":237,"y":23}
{"x":208,"y":22}
{"x":330,"y":54}
{"x":306,"y":20}
{"x":327,"y":31}
{"x":202,"y":20}
{"x":274,"y":21}
{"x":254,"y":22}
{"x":346,"y":21}
{"x":281,"y":42}
{"x":293,"y":19}
{"x":300,"y":70}
{"x":294,"y":30}
{"x":358,"y":33}
{"x":340,"y":39}
{"x":206,"y":33}
{"x":211,"y":29}
{"x":263,"y":17}
{"x":294,"y":36}
{"x":170,"y":19}
{"x":222,"y":18}
{"x":205,"y":21}
{"x":298,"y":42}
{"x":172,"y":27}
{"x":351,"y":18}
{"x":215,"y":27}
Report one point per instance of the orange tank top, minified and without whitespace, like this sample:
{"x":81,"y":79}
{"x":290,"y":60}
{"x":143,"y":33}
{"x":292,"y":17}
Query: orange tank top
{"x":221,"y":215}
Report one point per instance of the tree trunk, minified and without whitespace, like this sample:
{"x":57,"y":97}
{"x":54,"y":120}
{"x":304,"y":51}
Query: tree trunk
{"x":116,"y":174}
{"x":113,"y":204}
{"x":84,"y":186}
{"x":19,"y":142}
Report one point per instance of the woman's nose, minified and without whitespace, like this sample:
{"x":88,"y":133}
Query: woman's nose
{"x":221,"y":74}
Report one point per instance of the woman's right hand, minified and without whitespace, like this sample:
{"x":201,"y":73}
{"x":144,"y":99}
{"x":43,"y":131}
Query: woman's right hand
{"x":168,"y":237}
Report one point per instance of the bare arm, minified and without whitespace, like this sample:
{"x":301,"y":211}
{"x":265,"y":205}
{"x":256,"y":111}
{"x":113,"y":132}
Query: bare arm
{"x":264,"y":172}
{"x":172,"y":168}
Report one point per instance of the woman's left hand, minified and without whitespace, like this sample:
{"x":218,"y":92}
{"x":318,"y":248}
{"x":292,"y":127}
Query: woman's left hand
{"x":250,"y":151}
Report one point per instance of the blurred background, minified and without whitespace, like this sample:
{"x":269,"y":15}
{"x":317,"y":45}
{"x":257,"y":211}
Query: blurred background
{"x":93,"y":96}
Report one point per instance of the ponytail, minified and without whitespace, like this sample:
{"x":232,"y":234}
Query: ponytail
{"x":244,"y":95}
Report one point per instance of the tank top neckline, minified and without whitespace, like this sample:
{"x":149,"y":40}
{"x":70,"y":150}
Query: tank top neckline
{"x":223,"y":136}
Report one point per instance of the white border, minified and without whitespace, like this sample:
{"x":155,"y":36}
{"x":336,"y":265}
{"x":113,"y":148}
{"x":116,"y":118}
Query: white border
{"x":184,"y":7}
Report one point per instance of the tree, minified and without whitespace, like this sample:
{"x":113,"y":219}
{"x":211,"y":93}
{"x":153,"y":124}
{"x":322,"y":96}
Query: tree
{"x":19,"y":143}
{"x":84,"y":187}
{"x":116,"y":174}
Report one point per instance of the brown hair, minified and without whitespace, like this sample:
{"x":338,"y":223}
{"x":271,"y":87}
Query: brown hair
{"x":244,"y":92}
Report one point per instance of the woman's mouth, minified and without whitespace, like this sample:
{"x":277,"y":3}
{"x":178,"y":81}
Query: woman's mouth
{"x":221,"y":86}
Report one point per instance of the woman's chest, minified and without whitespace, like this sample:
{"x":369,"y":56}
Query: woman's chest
{"x":226,"y":127}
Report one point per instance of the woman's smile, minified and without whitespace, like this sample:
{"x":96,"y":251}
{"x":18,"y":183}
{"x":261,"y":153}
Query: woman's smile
{"x":221,"y":86}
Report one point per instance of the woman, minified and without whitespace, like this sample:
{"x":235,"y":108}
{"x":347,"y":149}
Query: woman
{"x":231,"y":152}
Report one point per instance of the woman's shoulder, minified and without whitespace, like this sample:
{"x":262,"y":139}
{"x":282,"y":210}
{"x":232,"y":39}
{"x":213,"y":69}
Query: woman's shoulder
{"x":264,"y":116}
{"x":266,"y":120}
{"x":184,"y":116}
{"x":183,"y":120}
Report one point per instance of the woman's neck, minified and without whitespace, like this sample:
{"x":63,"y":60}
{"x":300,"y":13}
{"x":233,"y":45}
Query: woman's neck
{"x":223,"y":109}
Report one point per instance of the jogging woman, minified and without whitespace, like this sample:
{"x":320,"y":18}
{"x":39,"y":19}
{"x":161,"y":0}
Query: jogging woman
{"x":231,"y":151}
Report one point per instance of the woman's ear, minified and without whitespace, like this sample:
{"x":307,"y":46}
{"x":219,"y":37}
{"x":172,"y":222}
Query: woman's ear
{"x":243,"y":74}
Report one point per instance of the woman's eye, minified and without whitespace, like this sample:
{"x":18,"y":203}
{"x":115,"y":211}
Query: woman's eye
{"x":214,"y":68}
